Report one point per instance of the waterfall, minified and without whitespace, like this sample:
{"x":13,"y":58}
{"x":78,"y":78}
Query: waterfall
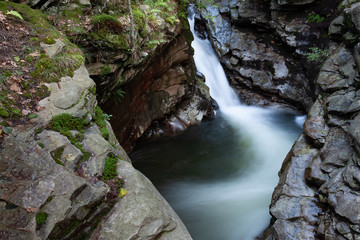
{"x":219,"y":175}
{"x":269,"y":143}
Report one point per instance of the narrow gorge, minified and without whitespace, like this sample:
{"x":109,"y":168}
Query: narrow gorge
{"x":85,"y":83}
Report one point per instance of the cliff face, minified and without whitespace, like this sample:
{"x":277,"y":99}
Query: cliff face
{"x":318,"y":192}
{"x":165,"y":94}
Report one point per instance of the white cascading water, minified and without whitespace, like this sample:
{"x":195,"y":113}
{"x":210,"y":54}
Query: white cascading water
{"x":248,"y":195}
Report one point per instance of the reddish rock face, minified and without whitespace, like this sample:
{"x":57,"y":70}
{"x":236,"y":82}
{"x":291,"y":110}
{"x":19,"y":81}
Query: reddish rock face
{"x":156,"y":92}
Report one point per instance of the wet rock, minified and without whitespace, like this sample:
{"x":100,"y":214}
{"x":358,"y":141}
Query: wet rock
{"x":336,"y":151}
{"x":337,"y":27}
{"x":294,"y":205}
{"x":294,"y":2}
{"x":353,"y":14}
{"x":354,"y":132}
{"x":351,"y":175}
{"x":315,"y":126}
{"x":314,"y":174}
{"x":343,"y":102}
{"x":337,"y":71}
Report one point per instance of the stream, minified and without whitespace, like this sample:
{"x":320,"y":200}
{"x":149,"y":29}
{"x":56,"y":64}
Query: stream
{"x":219,"y":175}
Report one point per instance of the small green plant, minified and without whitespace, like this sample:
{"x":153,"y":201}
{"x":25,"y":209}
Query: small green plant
{"x":107,"y":116}
{"x":315,"y":18}
{"x":105,"y":70}
{"x":118,"y":94}
{"x":15,"y":14}
{"x":110,"y":167}
{"x":317,"y":55}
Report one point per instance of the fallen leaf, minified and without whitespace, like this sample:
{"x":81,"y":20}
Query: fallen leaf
{"x":15,"y":87}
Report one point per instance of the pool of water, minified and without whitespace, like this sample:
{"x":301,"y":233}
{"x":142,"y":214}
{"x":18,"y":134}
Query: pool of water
{"x":219,"y":175}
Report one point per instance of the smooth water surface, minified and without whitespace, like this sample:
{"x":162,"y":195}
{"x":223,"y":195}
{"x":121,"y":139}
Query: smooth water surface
{"x":219,"y":176}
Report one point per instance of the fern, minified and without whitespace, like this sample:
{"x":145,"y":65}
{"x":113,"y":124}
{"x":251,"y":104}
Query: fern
{"x":15,"y":14}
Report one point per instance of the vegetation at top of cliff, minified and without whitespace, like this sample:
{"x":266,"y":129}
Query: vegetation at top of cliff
{"x":19,"y":92}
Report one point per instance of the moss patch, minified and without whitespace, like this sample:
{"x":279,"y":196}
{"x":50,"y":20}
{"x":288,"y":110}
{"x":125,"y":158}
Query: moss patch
{"x":41,"y":219}
{"x":110,"y":167}
{"x":56,"y":155}
{"x":65,"y":122}
{"x":100,"y":121}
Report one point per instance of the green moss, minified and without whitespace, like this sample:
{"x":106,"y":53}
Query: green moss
{"x":35,"y":18}
{"x":41,"y":219}
{"x":73,"y":14}
{"x":139,"y":18}
{"x":40,"y":144}
{"x":85,"y":157}
{"x":56,"y":155}
{"x":39,"y":130}
{"x":65,"y":122}
{"x":93,"y":90}
{"x":110,"y":167}
{"x":49,"y":40}
{"x":105,"y":70}
{"x":100,"y":121}
{"x":105,"y":20}
{"x":49,"y":199}
{"x":15,"y":111}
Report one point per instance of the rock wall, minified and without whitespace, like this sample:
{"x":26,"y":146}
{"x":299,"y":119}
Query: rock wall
{"x":263,"y":45}
{"x":165,"y":94}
